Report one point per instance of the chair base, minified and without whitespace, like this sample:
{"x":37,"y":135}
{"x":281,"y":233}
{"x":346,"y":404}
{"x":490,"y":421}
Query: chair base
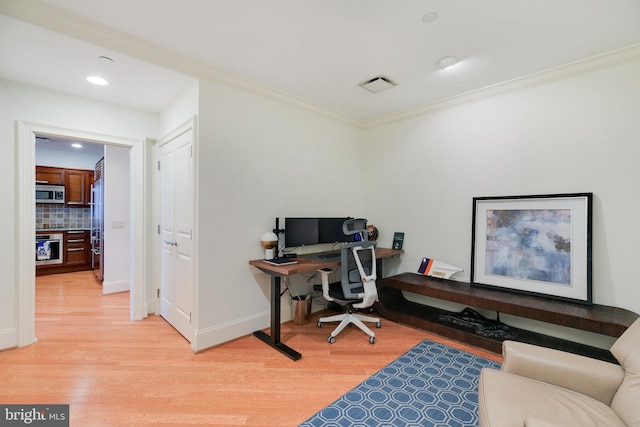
{"x":347,"y":318}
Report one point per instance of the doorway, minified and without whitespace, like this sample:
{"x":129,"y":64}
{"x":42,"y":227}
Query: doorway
{"x":78,"y":165}
{"x":94,"y":230}
{"x":140,"y":150}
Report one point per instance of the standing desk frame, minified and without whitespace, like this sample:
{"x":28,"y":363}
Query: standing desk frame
{"x":303,"y":265}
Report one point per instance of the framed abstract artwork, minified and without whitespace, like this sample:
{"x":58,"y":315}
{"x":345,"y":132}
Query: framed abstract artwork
{"x":534,"y":244}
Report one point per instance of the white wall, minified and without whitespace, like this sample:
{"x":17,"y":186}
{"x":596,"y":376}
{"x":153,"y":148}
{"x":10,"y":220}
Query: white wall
{"x":25,"y":103}
{"x":117,"y":220}
{"x":258,"y":159}
{"x":572,"y":135}
{"x":180,"y":110}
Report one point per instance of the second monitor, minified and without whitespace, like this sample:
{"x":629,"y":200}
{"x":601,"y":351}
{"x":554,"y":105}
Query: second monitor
{"x":313,"y":231}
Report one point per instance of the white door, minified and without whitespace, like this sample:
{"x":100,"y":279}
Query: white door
{"x":176,"y":225}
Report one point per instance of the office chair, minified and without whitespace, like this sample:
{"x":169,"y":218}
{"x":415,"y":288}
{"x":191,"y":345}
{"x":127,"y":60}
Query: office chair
{"x":357,"y":287}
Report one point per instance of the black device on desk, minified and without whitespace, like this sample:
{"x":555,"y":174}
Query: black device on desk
{"x":329,"y":255}
{"x":322,"y":256}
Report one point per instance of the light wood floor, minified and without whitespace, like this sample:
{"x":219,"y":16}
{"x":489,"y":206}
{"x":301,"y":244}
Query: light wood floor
{"x":114,"y":372}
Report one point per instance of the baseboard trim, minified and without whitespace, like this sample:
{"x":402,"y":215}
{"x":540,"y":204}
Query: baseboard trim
{"x":8,"y":338}
{"x":114,"y":287}
{"x":210,"y":337}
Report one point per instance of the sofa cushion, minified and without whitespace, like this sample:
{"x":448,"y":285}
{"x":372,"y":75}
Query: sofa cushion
{"x":537,"y":422}
{"x":626,"y":350}
{"x":507,"y":400}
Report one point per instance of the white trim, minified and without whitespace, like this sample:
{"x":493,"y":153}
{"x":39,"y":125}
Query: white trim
{"x":61,"y":21}
{"x":225,"y":332}
{"x":25,"y":140}
{"x":8,"y":338}
{"x":115,"y":287}
{"x":75,"y":26}
{"x":26,"y":265}
{"x":609,"y":59}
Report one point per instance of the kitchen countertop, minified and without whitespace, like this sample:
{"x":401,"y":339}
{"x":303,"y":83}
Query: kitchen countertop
{"x":58,"y":230}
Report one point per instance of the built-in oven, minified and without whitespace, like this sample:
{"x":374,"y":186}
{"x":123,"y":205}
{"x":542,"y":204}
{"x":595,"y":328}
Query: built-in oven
{"x":49,"y":248}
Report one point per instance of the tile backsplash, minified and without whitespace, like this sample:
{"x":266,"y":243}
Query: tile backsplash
{"x":56,"y":216}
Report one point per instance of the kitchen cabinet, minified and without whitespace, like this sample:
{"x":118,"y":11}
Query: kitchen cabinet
{"x":77,"y":184}
{"x":49,"y":175}
{"x":76,"y":254}
{"x":77,"y":247}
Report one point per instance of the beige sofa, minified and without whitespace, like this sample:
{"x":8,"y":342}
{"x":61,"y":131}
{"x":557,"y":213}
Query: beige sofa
{"x":540,"y":387}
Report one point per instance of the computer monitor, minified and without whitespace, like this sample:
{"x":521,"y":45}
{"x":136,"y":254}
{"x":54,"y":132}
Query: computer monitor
{"x":300,"y":232}
{"x":330,"y":230}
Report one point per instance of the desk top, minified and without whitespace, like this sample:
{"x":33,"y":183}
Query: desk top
{"x":306,"y":265}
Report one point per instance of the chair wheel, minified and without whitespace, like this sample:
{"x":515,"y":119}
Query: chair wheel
{"x":319,"y":324}
{"x":372,"y":340}
{"x":378,"y":325}
{"x":331,"y":339}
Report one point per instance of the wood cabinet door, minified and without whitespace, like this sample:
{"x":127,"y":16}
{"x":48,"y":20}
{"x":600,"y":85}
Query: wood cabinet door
{"x":49,"y":175}
{"x":77,"y":186}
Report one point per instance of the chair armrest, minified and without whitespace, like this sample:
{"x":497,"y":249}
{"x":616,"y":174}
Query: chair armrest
{"x":324,"y":277}
{"x":595,"y":378}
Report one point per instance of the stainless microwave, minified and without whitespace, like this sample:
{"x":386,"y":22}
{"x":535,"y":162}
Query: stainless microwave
{"x":48,"y":193}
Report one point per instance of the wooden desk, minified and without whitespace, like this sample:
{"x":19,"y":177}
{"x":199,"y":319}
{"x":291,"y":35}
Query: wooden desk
{"x":305,"y":264}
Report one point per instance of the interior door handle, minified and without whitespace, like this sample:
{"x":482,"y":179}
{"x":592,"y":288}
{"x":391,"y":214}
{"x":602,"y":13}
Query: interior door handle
{"x":172,"y":243}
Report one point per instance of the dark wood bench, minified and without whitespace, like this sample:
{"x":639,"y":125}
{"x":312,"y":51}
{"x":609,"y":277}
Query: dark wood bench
{"x":600,"y":319}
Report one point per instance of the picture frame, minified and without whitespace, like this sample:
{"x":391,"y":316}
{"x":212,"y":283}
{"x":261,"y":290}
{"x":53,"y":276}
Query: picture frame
{"x":398,"y":240}
{"x":538,"y":244}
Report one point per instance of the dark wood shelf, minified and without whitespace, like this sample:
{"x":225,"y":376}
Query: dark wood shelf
{"x":595,"y":318}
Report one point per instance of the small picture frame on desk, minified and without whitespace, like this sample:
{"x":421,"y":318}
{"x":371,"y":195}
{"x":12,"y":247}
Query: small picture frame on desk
{"x":398,"y":240}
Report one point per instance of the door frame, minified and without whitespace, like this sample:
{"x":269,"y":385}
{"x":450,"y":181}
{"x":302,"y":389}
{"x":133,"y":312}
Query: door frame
{"x":26,"y":134}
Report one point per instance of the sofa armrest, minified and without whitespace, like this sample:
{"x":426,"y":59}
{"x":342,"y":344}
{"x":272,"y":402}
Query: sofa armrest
{"x":595,"y":378}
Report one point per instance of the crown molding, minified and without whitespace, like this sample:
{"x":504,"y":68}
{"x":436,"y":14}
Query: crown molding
{"x":573,"y":69}
{"x":72,"y":25}
{"x":55,"y":19}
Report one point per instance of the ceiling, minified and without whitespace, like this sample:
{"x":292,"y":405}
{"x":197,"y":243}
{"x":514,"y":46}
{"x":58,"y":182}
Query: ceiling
{"x":69,"y":146}
{"x":317,"y":51}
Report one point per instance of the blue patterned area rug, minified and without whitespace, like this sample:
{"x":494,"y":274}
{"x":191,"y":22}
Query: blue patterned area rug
{"x":429,"y":385}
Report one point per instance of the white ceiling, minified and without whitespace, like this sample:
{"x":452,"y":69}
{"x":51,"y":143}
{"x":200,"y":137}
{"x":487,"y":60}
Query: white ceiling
{"x":62,"y":144}
{"x":314,"y":50}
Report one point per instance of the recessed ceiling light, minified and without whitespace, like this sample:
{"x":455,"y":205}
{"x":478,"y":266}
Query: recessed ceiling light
{"x":76,"y":145}
{"x":446,"y":62}
{"x":104,"y":62}
{"x":430,"y":17}
{"x":97,"y":80}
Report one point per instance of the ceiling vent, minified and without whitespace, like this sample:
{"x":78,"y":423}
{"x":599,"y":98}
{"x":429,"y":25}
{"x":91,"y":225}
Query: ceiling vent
{"x":378,"y":84}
